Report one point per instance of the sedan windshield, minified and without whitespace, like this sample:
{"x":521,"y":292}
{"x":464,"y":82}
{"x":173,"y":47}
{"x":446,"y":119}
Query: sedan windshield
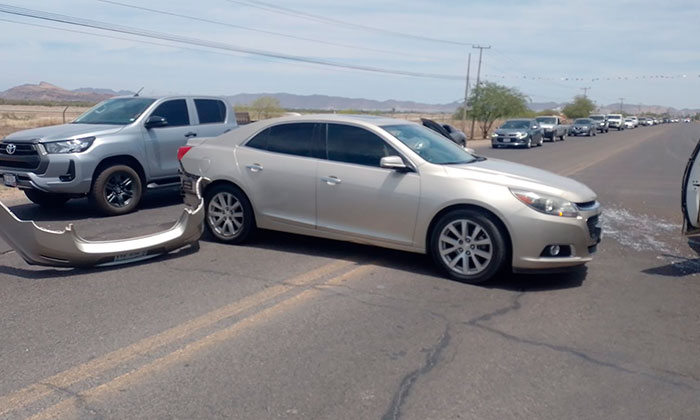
{"x":118,"y":111}
{"x":547,"y":120}
{"x":582,"y":121}
{"x":518,"y":124}
{"x":429,"y":145}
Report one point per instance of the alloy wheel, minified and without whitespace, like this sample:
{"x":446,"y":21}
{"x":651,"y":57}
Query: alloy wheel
{"x":119,"y":189}
{"x":225,"y":214}
{"x":465,"y":247}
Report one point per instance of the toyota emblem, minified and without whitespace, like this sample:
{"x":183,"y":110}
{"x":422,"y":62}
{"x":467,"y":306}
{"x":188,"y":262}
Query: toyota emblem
{"x":10,"y":149}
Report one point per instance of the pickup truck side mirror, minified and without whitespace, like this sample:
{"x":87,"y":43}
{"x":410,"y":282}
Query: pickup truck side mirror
{"x":155,"y":121}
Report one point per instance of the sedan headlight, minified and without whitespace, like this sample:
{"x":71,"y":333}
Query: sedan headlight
{"x":69,"y":146}
{"x":522,"y":135}
{"x":494,"y":135}
{"x":546,"y":204}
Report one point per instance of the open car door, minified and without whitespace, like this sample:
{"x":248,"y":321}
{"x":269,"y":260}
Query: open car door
{"x":690,"y":202}
{"x":436,"y":127}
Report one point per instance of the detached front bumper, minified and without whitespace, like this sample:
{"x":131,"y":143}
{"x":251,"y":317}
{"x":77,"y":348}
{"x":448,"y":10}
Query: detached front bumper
{"x":40,"y":246}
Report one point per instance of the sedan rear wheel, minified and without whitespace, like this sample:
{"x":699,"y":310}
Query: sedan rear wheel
{"x":229,"y":214}
{"x":468,"y":246}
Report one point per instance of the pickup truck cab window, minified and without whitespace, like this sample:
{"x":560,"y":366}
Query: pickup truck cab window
{"x":210,"y":111}
{"x":174,"y":111}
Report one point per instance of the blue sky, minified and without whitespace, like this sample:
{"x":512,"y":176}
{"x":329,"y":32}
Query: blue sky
{"x":548,"y":50}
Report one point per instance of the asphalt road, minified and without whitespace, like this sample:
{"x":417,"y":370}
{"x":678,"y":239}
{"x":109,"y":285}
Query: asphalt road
{"x":300,"y":328}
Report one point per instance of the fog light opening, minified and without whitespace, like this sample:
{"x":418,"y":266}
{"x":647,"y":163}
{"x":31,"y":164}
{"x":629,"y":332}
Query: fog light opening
{"x":554,"y":250}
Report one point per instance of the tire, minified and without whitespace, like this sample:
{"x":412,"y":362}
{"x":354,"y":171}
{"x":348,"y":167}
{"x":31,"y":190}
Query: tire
{"x":44,"y":199}
{"x":562,"y":137}
{"x":595,"y":133}
{"x":474,"y":256}
{"x":529,"y":143}
{"x":116,"y":190}
{"x":229,"y":215}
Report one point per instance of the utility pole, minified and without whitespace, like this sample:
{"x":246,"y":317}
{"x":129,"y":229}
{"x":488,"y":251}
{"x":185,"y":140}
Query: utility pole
{"x":478,"y":75}
{"x":585,"y":91}
{"x":621,"y":103}
{"x":466,"y":95}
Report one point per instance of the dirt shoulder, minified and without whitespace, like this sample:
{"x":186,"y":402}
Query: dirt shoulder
{"x":10,"y":193}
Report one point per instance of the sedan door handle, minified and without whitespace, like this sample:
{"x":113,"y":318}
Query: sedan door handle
{"x":256,"y":167}
{"x":331,"y":180}
{"x":191,"y":134}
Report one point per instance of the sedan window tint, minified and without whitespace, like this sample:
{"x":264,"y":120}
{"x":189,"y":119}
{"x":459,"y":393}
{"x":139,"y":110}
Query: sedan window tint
{"x":356,"y":145}
{"x":291,"y":139}
{"x":175,"y":112}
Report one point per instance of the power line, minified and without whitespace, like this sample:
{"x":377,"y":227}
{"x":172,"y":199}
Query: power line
{"x":36,"y":14}
{"x":246,"y":28}
{"x":322,"y":19}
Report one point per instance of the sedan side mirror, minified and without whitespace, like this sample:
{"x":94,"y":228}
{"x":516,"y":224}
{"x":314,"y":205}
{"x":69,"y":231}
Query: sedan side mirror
{"x":393,"y":162}
{"x":155,"y":121}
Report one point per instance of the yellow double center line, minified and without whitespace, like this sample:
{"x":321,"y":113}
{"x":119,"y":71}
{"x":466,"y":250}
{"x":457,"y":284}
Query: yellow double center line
{"x":48,"y":386}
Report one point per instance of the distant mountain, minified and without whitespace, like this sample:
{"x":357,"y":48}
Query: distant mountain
{"x":109,"y":92}
{"x":46,"y":92}
{"x":330,"y":103}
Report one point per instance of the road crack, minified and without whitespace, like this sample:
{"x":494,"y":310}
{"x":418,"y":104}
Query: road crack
{"x":80,"y":401}
{"x":431,"y":360}
{"x":516,"y":305}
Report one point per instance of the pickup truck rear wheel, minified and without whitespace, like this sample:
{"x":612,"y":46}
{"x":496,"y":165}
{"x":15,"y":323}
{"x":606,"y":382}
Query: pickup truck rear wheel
{"x":44,"y":199}
{"x":116,"y":190}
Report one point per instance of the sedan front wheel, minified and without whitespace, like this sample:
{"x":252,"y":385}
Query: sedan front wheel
{"x":468,"y":246}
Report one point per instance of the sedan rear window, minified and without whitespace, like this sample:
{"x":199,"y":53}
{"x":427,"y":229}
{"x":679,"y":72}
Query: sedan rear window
{"x":291,"y":139}
{"x":429,"y":145}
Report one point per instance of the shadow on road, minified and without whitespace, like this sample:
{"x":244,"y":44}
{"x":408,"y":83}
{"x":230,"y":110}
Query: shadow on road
{"x":404,"y":261}
{"x":681,"y":266}
{"x":80,"y":209}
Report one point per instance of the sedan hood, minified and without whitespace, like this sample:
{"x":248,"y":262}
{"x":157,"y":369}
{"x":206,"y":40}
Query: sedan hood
{"x":515,"y":175}
{"x":504,"y":131}
{"x":63,"y":132}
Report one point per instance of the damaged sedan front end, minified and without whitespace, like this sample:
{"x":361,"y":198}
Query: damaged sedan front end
{"x":65,"y":248}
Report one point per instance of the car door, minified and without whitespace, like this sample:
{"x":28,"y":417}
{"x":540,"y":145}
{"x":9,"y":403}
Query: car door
{"x":163,"y":142}
{"x":356,"y":196}
{"x":212,"y":116}
{"x":690,"y":203}
{"x":278,"y":167}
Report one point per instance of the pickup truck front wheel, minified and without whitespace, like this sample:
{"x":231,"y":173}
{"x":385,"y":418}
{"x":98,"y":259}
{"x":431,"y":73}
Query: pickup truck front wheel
{"x":116,"y":190}
{"x":44,"y":199}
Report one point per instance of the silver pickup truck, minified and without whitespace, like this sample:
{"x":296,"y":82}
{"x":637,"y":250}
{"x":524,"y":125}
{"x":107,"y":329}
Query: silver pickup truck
{"x":112,"y":153}
{"x":553,"y":128}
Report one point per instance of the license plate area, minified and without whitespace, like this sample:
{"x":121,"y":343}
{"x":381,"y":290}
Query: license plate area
{"x":9,"y":180}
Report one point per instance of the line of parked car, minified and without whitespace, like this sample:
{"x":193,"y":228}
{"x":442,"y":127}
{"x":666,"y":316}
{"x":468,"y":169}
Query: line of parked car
{"x":529,"y":132}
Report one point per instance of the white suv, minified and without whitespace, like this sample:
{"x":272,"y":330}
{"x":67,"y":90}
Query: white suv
{"x":616,"y":121}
